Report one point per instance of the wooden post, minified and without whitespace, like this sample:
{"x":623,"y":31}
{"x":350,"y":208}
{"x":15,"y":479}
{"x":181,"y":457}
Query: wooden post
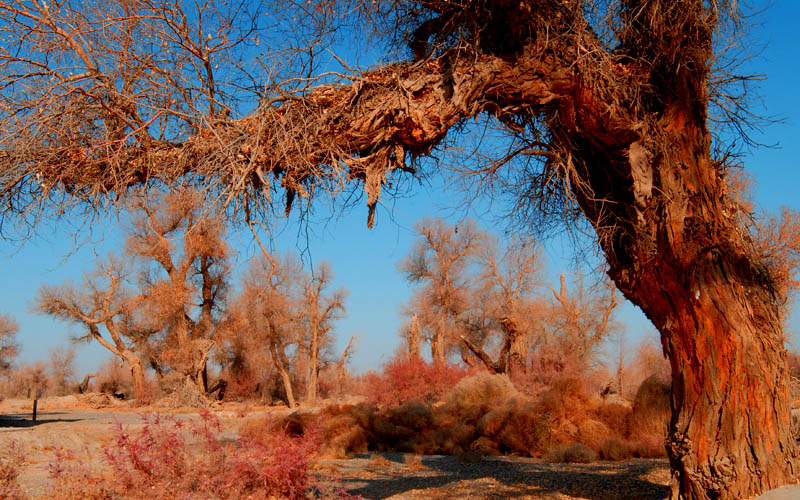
{"x":35,"y":404}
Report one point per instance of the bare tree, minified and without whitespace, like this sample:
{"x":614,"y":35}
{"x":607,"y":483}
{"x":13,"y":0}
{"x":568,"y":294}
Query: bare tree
{"x":168,"y":318}
{"x":8,"y":345}
{"x":584,"y":318}
{"x":61,"y":368}
{"x":617,"y":99}
{"x":438,"y":263}
{"x":507,"y":278}
{"x":182,"y":255}
{"x":318,"y":313}
{"x":266,"y":315}
{"x":102,"y":301}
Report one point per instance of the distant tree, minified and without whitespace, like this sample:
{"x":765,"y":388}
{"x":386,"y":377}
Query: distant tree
{"x":264,"y":319}
{"x":167,"y":318}
{"x":438,"y":264}
{"x":582,"y":318}
{"x":507,"y":277}
{"x":103,"y":301}
{"x":61,"y":369}
{"x":319,"y":310}
{"x":8,"y":345}
{"x":181,"y":253}
{"x":31,"y":380}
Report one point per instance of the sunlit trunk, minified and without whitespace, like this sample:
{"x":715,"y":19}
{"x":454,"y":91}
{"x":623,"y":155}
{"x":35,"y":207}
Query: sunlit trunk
{"x":280,"y":362}
{"x":313,"y":368}
{"x":687,"y":264}
{"x":137,"y":374}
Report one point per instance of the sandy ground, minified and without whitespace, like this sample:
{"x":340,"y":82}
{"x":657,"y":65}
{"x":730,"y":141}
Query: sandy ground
{"x":66,"y":427}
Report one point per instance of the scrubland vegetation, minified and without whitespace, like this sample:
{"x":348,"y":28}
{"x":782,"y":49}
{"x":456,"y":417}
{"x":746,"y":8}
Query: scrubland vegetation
{"x":516,"y":367}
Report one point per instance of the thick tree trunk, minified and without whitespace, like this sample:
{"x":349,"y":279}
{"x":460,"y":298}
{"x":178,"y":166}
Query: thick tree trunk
{"x":437,"y":344}
{"x":137,"y":374}
{"x":686,"y":263}
{"x":517,"y":348}
{"x":729,"y":437}
{"x":414,"y":338}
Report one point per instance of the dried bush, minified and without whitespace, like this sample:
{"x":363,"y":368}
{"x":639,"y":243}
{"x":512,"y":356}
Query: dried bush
{"x":171,"y":459}
{"x":483,"y":388}
{"x":405,"y":380}
{"x":242,"y":387}
{"x":649,"y":445}
{"x":11,"y":458}
{"x":483,"y":414}
{"x":575,"y":453}
{"x":651,"y":408}
{"x":616,"y":416}
{"x":615,"y":450}
{"x":113,"y":378}
{"x":593,"y":433}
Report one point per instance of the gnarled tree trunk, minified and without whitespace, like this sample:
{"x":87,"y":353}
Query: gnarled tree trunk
{"x":681,"y":257}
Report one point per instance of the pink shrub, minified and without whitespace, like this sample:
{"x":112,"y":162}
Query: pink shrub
{"x":404,"y":380}
{"x":172,"y":459}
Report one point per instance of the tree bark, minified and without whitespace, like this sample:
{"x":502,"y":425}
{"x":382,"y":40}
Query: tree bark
{"x":414,"y":338}
{"x":313,"y":368}
{"x":137,"y":374}
{"x":517,"y":348}
{"x":437,"y":343}
{"x":683,"y":260}
{"x":278,"y":359}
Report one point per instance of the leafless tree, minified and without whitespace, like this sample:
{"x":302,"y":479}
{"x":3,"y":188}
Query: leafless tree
{"x":182,"y":255}
{"x":507,"y":277}
{"x":583,"y":318}
{"x":61,"y":368}
{"x":102,"y":301}
{"x":319,"y":312}
{"x":167,"y":319}
{"x":438,"y":262}
{"x":618,"y":100}
{"x":8,"y":345}
{"x":266,"y":316}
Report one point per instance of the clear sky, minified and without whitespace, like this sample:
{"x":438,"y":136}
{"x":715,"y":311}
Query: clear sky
{"x":364,"y":261}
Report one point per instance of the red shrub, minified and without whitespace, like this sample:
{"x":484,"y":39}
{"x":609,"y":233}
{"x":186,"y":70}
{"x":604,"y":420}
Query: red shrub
{"x":171,"y":459}
{"x":241,"y":387}
{"x":405,"y":380}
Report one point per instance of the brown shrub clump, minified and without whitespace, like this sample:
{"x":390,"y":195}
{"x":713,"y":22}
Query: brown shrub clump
{"x":615,"y":450}
{"x":484,"y":415}
{"x":483,"y":388}
{"x":651,"y":407}
{"x":575,"y":453}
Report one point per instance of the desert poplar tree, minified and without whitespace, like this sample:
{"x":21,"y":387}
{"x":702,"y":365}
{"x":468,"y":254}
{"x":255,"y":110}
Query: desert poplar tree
{"x":609,"y":110}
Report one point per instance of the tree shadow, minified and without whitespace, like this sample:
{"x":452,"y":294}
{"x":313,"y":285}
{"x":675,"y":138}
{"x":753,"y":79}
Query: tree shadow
{"x":25,"y":420}
{"x":508,"y":478}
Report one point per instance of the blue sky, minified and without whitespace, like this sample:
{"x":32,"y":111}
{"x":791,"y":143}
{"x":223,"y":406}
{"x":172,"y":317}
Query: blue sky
{"x":364,"y":261}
